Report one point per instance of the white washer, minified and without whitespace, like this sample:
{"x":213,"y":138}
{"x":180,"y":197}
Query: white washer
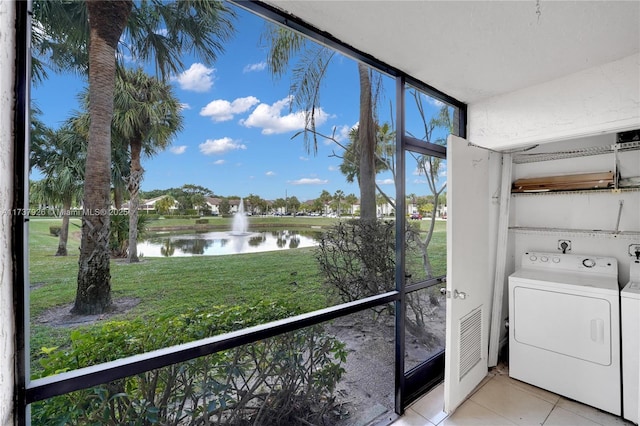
{"x":564,"y":327}
{"x":630,"y":309}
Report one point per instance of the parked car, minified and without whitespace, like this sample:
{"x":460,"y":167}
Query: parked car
{"x":416,"y":216}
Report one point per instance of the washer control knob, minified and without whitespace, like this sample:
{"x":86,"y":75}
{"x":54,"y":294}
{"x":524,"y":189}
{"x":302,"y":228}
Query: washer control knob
{"x":544,"y":259}
{"x":589,"y":263}
{"x":555,"y":260}
{"x":533,"y":258}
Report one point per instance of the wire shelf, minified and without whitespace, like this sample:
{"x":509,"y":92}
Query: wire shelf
{"x":583,"y":152}
{"x":577,"y":192}
{"x":568,"y":232}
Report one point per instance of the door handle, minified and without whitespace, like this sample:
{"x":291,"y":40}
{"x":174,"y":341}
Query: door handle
{"x":597,"y":330}
{"x":456,"y":294}
{"x":459,"y":294}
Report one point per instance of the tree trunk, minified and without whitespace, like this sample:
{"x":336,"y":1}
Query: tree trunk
{"x":107,"y":20}
{"x":367,"y":143}
{"x":64,"y":230}
{"x":135,"y":176}
{"x":118,"y":197}
{"x":118,"y":200}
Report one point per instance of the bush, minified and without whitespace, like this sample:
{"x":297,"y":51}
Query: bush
{"x":119,"y":233}
{"x":55,"y":230}
{"x":357,"y":258}
{"x":202,"y":221}
{"x":288,"y":379}
{"x":149,"y":216}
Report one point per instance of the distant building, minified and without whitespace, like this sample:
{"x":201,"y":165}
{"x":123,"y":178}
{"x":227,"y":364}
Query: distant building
{"x":149,"y":206}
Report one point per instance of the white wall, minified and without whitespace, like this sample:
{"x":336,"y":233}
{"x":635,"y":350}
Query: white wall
{"x":601,"y":99}
{"x":7,"y":332}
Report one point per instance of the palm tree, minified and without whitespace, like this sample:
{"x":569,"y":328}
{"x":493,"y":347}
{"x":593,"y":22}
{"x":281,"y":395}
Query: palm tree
{"x":147,"y":115}
{"x":325,"y":198}
{"x":120,"y":157}
{"x":120,"y":168}
{"x":308,"y":74}
{"x":156,"y":31}
{"x":120,"y":160}
{"x":107,"y":21}
{"x":351,"y":200}
{"x":338,"y":196}
{"x":164,"y":205}
{"x":384,"y":155}
{"x":63,"y":172}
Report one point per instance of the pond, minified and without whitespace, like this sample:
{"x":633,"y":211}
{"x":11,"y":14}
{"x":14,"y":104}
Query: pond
{"x":223,"y":243}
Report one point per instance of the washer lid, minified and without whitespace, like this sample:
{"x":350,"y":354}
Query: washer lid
{"x":631,"y":290}
{"x":569,"y":281}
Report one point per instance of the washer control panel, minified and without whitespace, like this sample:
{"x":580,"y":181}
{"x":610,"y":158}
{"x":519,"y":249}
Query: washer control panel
{"x":570,"y":263}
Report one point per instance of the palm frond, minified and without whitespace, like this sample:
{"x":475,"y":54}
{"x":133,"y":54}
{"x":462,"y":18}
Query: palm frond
{"x":283,"y":44}
{"x":308,"y":76}
{"x":59,"y":37}
{"x":163,"y":32}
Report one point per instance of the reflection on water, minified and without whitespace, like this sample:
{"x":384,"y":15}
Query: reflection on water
{"x":221,"y":243}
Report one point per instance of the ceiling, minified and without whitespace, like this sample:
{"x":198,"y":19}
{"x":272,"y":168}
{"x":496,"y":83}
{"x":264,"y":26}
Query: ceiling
{"x":473,"y":50}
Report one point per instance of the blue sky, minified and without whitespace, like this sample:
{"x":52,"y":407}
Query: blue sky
{"x":238,"y":126}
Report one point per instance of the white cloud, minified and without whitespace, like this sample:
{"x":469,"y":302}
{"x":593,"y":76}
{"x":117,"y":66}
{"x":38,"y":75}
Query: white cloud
{"x":303,"y":158}
{"x":308,"y":181}
{"x":342,"y":132}
{"x":269,"y":118}
{"x":219,"y":162}
{"x":260,"y":66}
{"x":178,"y":149}
{"x":184,"y":106}
{"x":270,"y":173}
{"x":332,"y":168}
{"x":220,"y":146}
{"x":435,"y":102}
{"x":222,"y":110}
{"x":388,"y":181}
{"x":198,"y":78}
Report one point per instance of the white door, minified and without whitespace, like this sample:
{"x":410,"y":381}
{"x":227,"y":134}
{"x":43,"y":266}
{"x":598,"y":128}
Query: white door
{"x":469,"y":281}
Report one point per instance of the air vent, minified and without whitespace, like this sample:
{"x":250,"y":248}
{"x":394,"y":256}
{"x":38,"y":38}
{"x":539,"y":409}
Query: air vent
{"x":470,"y":341}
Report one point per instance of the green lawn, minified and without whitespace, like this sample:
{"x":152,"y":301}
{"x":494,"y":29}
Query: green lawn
{"x":169,"y":286}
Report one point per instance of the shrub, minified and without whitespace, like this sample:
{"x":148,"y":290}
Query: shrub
{"x":55,"y":230}
{"x":357,"y":258}
{"x":119,"y":233}
{"x":287,"y":379}
{"x":202,"y":221}
{"x":149,"y":216}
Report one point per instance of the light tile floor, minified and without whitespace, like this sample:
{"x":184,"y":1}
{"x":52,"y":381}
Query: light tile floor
{"x":500,"y":400}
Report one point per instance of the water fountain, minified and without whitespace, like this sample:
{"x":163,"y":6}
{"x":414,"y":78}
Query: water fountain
{"x":237,"y":240}
{"x":240,"y":223}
